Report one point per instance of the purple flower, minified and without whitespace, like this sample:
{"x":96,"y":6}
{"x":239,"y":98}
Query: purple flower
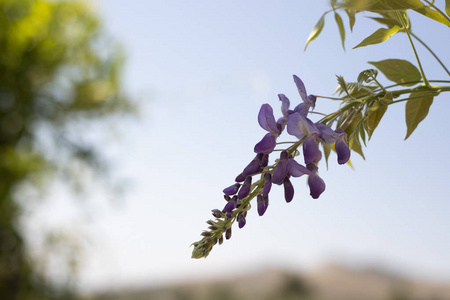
{"x":231,"y":190}
{"x":263,"y":203}
{"x":288,"y":189}
{"x":316,"y":184}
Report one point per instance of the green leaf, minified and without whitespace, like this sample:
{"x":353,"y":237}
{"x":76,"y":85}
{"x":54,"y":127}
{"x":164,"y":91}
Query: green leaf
{"x":383,"y":6}
{"x":378,"y":36}
{"x":316,"y":30}
{"x":387,"y":99}
{"x":398,"y":70}
{"x":362,"y":132}
{"x":326,"y":152}
{"x":416,"y":110}
{"x":340,"y":25}
{"x":374,"y":118}
{"x":432,"y":14}
{"x":447,"y":7}
{"x":351,"y":17}
{"x":355,"y":145}
{"x":367,"y":76}
{"x":390,"y":19}
{"x":343,"y":85}
{"x":351,"y":129}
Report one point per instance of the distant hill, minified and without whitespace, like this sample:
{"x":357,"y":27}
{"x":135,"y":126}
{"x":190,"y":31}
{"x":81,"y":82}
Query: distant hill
{"x":331,"y":282}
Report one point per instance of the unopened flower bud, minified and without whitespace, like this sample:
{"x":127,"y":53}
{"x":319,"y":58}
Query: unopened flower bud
{"x":231,"y":190}
{"x":217,"y":213}
{"x":245,"y":189}
{"x":228,"y":234}
{"x":240,"y":178}
{"x":241,"y":220}
{"x":254,"y":166}
{"x":263,"y":203}
{"x":267,"y":184}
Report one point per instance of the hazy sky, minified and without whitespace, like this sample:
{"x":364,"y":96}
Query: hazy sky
{"x":200,"y":71}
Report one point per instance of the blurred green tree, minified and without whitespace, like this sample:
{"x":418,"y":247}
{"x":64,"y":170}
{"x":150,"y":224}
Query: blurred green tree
{"x":58,"y":71}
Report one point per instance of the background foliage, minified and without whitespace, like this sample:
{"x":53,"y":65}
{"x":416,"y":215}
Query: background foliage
{"x":58,"y":74}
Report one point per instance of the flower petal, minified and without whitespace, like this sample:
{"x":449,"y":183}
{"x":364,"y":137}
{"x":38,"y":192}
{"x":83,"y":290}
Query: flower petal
{"x":302,"y":109}
{"x":281,"y":169}
{"x":266,"y":119}
{"x":293,"y":127}
{"x":267,"y":144}
{"x":288,"y":190}
{"x":310,"y":149}
{"x":284,"y":104}
{"x":316,"y":186}
{"x":343,"y":152}
{"x":328,"y":135}
{"x":299,"y":126}
{"x":296,"y":170}
{"x":301,"y":88}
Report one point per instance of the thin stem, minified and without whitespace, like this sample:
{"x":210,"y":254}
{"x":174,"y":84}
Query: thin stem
{"x":431,"y":51}
{"x":406,"y":27}
{"x":279,"y":143}
{"x":409,"y":83}
{"x":437,"y":9}
{"x":318,"y":113}
{"x":326,"y":97}
{"x":379,"y":84}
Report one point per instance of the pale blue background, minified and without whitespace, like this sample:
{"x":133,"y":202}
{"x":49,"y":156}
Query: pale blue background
{"x":201,"y":70}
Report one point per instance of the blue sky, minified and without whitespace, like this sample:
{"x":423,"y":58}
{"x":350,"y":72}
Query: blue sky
{"x":200,"y":71}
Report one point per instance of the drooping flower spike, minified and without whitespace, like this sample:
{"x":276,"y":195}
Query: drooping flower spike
{"x":257,"y":178}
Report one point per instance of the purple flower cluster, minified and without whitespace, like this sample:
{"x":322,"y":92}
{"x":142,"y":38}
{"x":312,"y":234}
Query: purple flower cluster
{"x":308,"y":135}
